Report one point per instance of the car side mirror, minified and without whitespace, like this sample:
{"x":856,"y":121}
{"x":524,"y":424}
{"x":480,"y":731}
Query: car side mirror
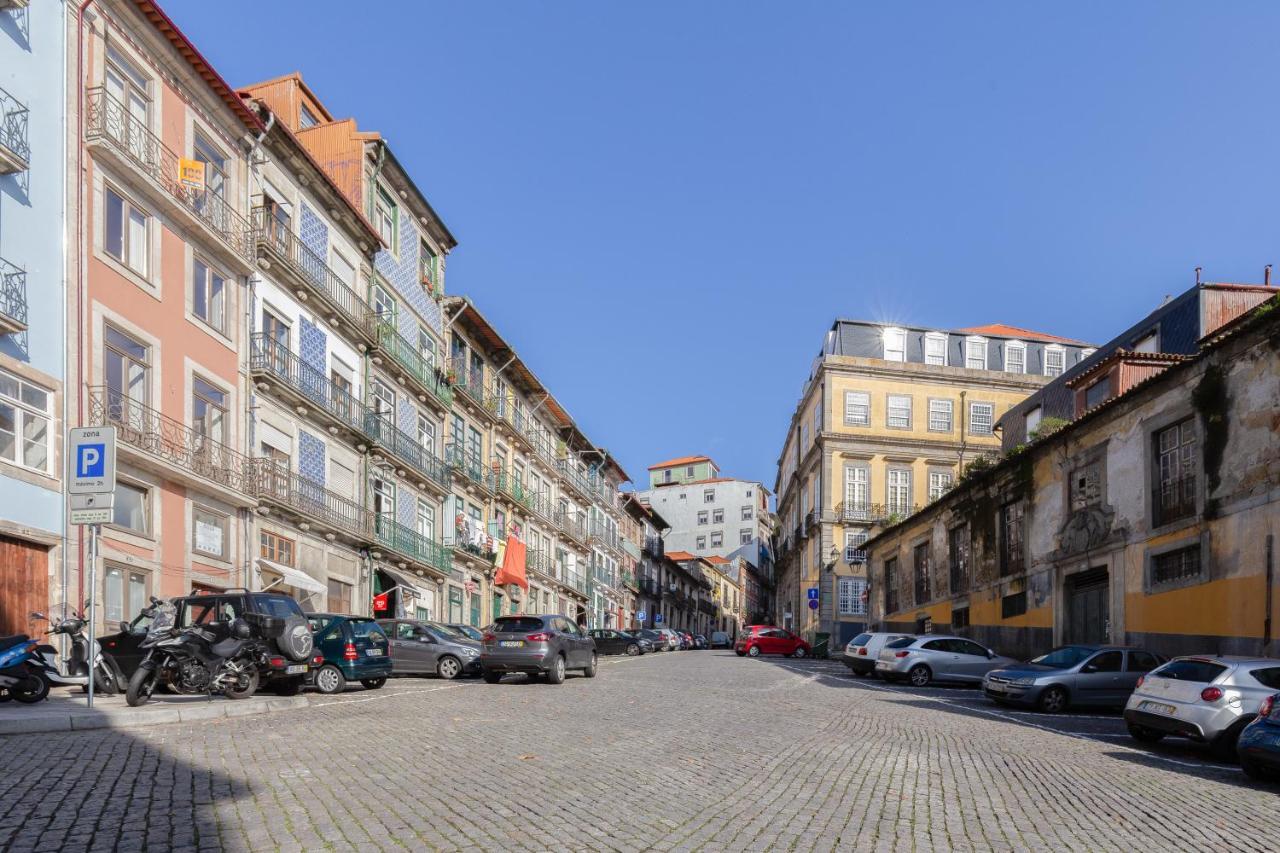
{"x":124,"y":627}
{"x":991,"y":655}
{"x":1089,"y":667}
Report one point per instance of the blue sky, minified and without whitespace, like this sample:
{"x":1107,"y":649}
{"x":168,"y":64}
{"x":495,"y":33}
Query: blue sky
{"x":663,"y":205}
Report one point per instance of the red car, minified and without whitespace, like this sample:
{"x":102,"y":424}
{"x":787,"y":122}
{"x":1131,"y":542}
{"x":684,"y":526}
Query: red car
{"x":756,"y":640}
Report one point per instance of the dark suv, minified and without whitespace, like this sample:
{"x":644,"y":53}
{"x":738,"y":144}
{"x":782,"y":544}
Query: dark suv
{"x":283,"y":627}
{"x":536,"y":645}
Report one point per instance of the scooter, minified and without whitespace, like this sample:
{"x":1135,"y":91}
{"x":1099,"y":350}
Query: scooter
{"x":18,"y":677}
{"x":74,"y":670}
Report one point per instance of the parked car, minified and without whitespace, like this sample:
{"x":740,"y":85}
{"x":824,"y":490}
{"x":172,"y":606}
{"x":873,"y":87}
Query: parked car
{"x":757,"y":640}
{"x":921,"y":660}
{"x":1084,"y":676}
{"x":1208,"y":699}
{"x":863,"y":650}
{"x":471,"y":632}
{"x":347,"y":648}
{"x":536,"y":645}
{"x":720,"y":640}
{"x":673,"y":639}
{"x":655,"y":637}
{"x":699,"y":641}
{"x":429,"y":648}
{"x":611,"y":642}
{"x":1259,"y":744}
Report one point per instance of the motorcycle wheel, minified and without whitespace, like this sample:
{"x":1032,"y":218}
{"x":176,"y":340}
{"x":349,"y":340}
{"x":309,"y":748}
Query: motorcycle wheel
{"x":250,"y":688}
{"x":140,"y":687}
{"x":34,"y":689}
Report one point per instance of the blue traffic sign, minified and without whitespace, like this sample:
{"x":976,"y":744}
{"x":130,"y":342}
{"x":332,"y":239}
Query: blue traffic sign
{"x":813,"y":604}
{"x":91,"y":460}
{"x":641,"y":615}
{"x":813,"y":593}
{"x":657,"y":617}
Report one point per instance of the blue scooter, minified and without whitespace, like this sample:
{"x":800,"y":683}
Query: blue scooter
{"x":18,"y":680}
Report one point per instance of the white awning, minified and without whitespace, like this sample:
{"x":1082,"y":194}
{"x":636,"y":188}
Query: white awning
{"x":406,"y":582}
{"x":293,"y":577}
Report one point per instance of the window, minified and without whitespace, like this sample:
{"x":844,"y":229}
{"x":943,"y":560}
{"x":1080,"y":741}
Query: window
{"x":124,"y":594}
{"x":1034,"y":414}
{"x":127,"y":365}
{"x":1097,"y":393}
{"x":426,"y":433}
{"x":384,"y":307}
{"x":717,"y":539}
{"x":717,"y":516}
{"x":1174,"y":567}
{"x":384,"y":399}
{"x":940,"y":415}
{"x":1015,"y":357}
{"x":958,"y":552}
{"x":891,"y":586}
{"x":24,"y":423}
{"x":959,"y":618}
{"x":131,"y":509}
{"x":215,"y":169}
{"x":1148,"y":343}
{"x":747,"y":513}
{"x":857,"y":408}
{"x":427,"y":347}
{"x":208,"y":411}
{"x":209,"y":532}
{"x":1106,"y":662}
{"x":982,"y":418}
{"x":702,"y":542}
{"x":849,"y":600}
{"x":935,"y":348}
{"x":275,"y":548}
{"x":125,"y":229}
{"x":709,"y":496}
{"x":127,"y":85}
{"x":702,"y":516}
{"x":855,"y":491}
{"x":1142,"y":662}
{"x":1013,"y":605}
{"x":804,"y":437}
{"x":343,"y":269}
{"x":895,"y":345}
{"x":939,"y":484}
{"x":817,"y":422}
{"x":455,"y":606}
{"x":1055,"y":360}
{"x":306,"y":119}
{"x":924,"y":579}
{"x":975,"y":353}
{"x":339,"y":597}
{"x":1011,"y":560}
{"x":1175,"y":493}
{"x":899,"y":491}
{"x":427,"y":520}
{"x":666,"y":476}
{"x":384,"y":219}
{"x":384,"y":498}
{"x":1086,"y":486}
{"x":745,"y":536}
{"x":208,"y":294}
{"x":899,"y":412}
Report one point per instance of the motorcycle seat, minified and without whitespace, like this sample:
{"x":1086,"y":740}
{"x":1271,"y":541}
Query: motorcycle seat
{"x":46,"y":650}
{"x":227,"y":648}
{"x":10,"y":642}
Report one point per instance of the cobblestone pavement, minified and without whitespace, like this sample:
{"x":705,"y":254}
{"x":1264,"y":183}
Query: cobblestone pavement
{"x":677,"y":751}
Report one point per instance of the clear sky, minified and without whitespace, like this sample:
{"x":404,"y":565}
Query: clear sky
{"x":663,"y":205}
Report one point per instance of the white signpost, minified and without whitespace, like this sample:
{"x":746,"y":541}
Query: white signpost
{"x":91,"y":485}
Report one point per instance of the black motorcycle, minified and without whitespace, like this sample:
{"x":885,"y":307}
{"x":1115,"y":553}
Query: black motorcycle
{"x":220,"y":657}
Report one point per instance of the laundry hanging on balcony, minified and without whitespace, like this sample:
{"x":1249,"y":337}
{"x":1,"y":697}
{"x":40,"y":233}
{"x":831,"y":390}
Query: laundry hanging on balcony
{"x":512,"y":569}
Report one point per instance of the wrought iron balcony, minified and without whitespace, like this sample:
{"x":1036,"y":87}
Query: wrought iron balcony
{"x":811,"y":518}
{"x":649,"y":586}
{"x":432,"y":384}
{"x":509,"y":488}
{"x":15,"y":148}
{"x":869,"y":513}
{"x":653,"y":546}
{"x":575,"y":581}
{"x":117,"y":133}
{"x":303,"y":383}
{"x":406,"y":449}
{"x":160,"y":443}
{"x":573,"y":525}
{"x":539,"y":503}
{"x":13,"y":298}
{"x":855,"y":556}
{"x":542,"y":563}
{"x":574,"y":479}
{"x":471,"y":384}
{"x":628,"y":579}
{"x":470,"y":466}
{"x":291,"y":491}
{"x":412,"y":545}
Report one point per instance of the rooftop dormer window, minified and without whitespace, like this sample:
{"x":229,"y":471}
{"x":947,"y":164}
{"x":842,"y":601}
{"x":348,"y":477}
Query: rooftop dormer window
{"x":975,"y":353}
{"x":935,"y":348}
{"x":895,"y":345}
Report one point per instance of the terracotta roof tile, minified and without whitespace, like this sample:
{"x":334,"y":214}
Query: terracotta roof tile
{"x":681,"y":460}
{"x":1006,"y":331}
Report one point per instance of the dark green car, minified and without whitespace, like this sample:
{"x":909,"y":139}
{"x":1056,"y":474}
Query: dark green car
{"x":348,"y":648}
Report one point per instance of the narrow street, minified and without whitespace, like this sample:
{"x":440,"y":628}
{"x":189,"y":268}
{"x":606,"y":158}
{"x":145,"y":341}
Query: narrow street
{"x":688,"y":750}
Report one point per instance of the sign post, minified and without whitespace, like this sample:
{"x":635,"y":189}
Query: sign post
{"x":91,"y":484}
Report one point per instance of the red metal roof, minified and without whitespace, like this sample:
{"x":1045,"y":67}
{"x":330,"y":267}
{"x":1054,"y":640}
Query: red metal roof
{"x":681,"y":460}
{"x":680,"y":556}
{"x":1005,"y":331}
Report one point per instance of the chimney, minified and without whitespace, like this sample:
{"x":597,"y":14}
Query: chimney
{"x":1266,"y":276}
{"x":1197,"y":276}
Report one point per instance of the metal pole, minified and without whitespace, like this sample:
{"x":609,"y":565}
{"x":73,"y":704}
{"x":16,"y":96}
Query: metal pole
{"x":93,"y":608}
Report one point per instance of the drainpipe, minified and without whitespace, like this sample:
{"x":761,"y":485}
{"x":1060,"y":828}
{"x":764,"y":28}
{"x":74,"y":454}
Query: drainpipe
{"x":1266,"y":624}
{"x":82,"y":250}
{"x":963,"y":423}
{"x":251,"y":420}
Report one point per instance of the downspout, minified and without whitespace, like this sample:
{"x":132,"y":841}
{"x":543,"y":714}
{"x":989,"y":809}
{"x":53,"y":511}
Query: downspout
{"x":246,"y":545}
{"x":64,"y":532}
{"x":81,"y":249}
{"x":1266,"y":624}
{"x":963,"y":424}
{"x":366,"y":553}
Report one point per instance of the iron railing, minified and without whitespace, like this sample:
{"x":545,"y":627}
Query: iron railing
{"x":409,"y":357}
{"x":855,"y":556}
{"x":649,"y":586}
{"x":409,"y":543}
{"x":379,"y":427}
{"x":505,"y":483}
{"x":470,"y":465}
{"x":541,"y":562}
{"x":573,"y":525}
{"x":471,"y":383}
{"x":540,"y":504}
{"x":287,"y":488}
{"x":873,"y":513}
{"x":575,"y":581}
{"x":653,"y":546}
{"x":171,"y":441}
{"x":127,"y":135}
{"x":275,"y":359}
{"x":13,"y":126}
{"x":13,"y":295}
{"x":574,"y":479}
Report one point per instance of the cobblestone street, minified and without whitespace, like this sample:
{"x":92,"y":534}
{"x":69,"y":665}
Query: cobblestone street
{"x":691,"y":750}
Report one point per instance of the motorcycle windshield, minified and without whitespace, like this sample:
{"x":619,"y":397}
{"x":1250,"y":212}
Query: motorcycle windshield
{"x":162,"y":620}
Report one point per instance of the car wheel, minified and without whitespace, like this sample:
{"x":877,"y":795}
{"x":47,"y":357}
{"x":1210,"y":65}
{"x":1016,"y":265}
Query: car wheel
{"x":373,"y":683}
{"x":1053,"y":700}
{"x":799,"y":652}
{"x":754,"y":651}
{"x":492,"y":677}
{"x":330,"y":680}
{"x":448,"y":667}
{"x":1223,"y":747}
{"x":555,"y":675}
{"x":1254,"y":770}
{"x":920,"y":675}
{"x":1144,"y":734}
{"x":590,"y":671}
{"x":633,"y":650}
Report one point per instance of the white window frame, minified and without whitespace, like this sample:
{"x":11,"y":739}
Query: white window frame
{"x":717,"y":539}
{"x":990,"y":413}
{"x":1034,"y":415}
{"x":857,"y":488}
{"x":903,"y":476}
{"x":938,"y":410}
{"x":1060,"y":353}
{"x":857,"y":408}
{"x":223,"y":521}
{"x":25,"y":412}
{"x":140,"y":266}
{"x":1010,"y":348}
{"x":895,"y":344}
{"x":975,"y":349}
{"x":938,"y":341}
{"x":708,"y":496}
{"x":211,"y":274}
{"x":890,"y":402}
{"x":939,"y":484}
{"x":849,"y":600}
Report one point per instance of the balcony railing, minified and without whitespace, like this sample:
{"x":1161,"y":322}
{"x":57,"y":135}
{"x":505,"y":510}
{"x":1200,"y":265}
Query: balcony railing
{"x":274,"y":359}
{"x":539,"y":503}
{"x":411,"y":544}
{"x":410,"y":358}
{"x":278,"y":485}
{"x":855,"y":556}
{"x":653,"y":546}
{"x":166,"y":440}
{"x":406,"y":448}
{"x":872,"y":513}
{"x":128,"y":136}
{"x":470,"y":466}
{"x":574,"y":479}
{"x":649,"y":586}
{"x":507,"y":485}
{"x":13,"y":298}
{"x":15,"y":149}
{"x":541,"y":562}
{"x":573,"y":525}
{"x":576,"y":581}
{"x":471,"y":383}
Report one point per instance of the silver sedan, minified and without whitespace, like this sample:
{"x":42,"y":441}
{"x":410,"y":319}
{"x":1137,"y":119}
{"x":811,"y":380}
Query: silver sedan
{"x":921,"y":660}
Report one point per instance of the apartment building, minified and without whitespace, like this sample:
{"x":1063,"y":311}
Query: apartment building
{"x":1150,"y":519}
{"x":710,"y":515}
{"x":687,"y":582}
{"x":33,"y":194}
{"x":886,"y":419}
{"x":648,"y":529}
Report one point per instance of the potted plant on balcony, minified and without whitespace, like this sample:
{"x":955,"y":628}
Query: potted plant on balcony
{"x":451,"y":377}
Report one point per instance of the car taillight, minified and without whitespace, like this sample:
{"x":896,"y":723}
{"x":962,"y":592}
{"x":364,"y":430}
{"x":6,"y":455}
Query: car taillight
{"x":863,"y":651}
{"x":489,"y":638}
{"x":539,"y":637}
{"x":1141,"y":678}
{"x":901,"y":654}
{"x":1211,"y":694}
{"x":349,"y":653}
{"x":317,"y":660}
{"x":1267,"y":704}
{"x":276,"y":662}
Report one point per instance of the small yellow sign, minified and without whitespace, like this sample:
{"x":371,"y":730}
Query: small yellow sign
{"x":191,"y":173}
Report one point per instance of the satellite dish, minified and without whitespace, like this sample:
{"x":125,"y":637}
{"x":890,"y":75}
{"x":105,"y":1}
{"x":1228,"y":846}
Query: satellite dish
{"x":515,"y":592}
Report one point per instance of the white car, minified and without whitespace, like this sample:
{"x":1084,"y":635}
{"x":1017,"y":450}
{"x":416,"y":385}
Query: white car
{"x":863,"y":650}
{"x":1205,"y":698}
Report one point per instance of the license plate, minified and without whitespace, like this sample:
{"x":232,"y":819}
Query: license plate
{"x":995,"y":688}
{"x":373,"y":653}
{"x":511,"y":644}
{"x":1158,"y":708}
{"x":296,"y":669}
{"x":882,"y":664}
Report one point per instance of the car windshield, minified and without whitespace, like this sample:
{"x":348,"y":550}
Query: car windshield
{"x":318,"y":623}
{"x":1190,"y":670}
{"x":204,"y":611}
{"x":1063,"y":658}
{"x":367,"y":629}
{"x":467,"y":631}
{"x":901,"y":643}
{"x":860,"y":640}
{"x":517,"y":625}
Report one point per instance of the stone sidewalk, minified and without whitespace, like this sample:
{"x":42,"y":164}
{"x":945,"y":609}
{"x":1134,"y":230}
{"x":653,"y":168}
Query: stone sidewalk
{"x":67,"y":710}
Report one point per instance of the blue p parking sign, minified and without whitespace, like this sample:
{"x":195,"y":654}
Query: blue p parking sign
{"x":91,"y":457}
{"x":91,"y":460}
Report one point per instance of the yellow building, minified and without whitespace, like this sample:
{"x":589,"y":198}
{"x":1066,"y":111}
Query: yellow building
{"x":887,"y":417}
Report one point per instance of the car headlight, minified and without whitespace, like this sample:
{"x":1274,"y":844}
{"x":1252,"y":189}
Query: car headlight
{"x":470,"y":652}
{"x":1023,"y":682}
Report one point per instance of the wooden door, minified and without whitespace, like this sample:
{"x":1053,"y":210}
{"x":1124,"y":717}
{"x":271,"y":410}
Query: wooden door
{"x":1088,"y":607}
{"x":24,"y":584}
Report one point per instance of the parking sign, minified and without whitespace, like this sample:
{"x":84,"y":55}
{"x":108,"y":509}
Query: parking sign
{"x":92,"y":460}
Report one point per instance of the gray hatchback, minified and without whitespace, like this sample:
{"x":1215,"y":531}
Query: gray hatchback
{"x":536,"y":645}
{"x":1071,"y":675}
{"x":423,"y":648}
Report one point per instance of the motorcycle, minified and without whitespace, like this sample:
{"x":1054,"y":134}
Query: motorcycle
{"x":105,"y":672}
{"x":220,"y":657}
{"x":18,"y":680}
